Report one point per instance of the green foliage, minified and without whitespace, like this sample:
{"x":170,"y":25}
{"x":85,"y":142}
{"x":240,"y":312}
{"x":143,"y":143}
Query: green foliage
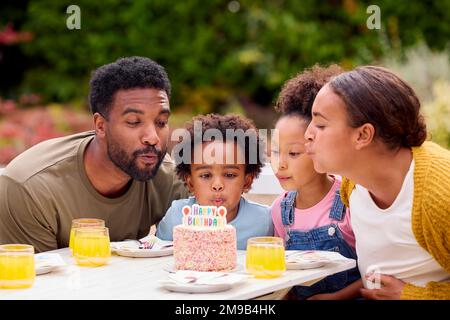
{"x":428,"y":72}
{"x":204,"y":44}
{"x":421,"y":68}
{"x":437,"y":114}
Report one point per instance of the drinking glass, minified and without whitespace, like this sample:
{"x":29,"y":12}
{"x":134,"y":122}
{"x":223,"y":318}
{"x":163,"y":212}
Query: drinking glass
{"x":83,"y":223}
{"x":265,"y":257}
{"x":16,"y":266}
{"x":91,"y":246}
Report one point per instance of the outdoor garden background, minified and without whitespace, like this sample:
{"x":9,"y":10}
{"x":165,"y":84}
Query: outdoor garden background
{"x":221,"y":56}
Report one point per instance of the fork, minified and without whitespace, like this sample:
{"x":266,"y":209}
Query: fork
{"x":144,"y":244}
{"x":147,"y":244}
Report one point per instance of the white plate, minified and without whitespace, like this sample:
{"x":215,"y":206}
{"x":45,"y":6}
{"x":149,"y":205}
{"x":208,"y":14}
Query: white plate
{"x":130,"y":248}
{"x":299,"y":260}
{"x":304,"y":265}
{"x":170,"y":268}
{"x":195,"y":288}
{"x":202,"y":282}
{"x":143,"y":253}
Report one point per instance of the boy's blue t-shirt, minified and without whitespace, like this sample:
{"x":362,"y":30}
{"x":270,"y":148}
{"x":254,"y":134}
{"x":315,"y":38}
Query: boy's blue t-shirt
{"x":252,"y":220}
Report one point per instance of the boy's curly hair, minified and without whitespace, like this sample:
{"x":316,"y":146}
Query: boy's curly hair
{"x":222,"y":123}
{"x":298,"y":94}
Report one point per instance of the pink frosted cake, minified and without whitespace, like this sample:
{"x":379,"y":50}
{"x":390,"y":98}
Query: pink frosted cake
{"x":204,"y":242}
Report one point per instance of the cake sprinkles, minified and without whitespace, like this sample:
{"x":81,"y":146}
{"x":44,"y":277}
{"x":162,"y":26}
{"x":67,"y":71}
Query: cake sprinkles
{"x":204,"y":241}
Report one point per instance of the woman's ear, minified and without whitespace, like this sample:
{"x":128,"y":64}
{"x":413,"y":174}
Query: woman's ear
{"x":188,"y":180}
{"x":248,"y":180}
{"x":365,"y":135}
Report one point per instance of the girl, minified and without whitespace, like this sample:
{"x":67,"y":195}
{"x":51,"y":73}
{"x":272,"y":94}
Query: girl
{"x":310,"y":216}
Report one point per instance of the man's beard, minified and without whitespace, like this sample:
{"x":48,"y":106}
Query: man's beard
{"x":129,"y":164}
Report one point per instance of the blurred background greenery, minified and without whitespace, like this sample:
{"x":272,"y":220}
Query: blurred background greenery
{"x":221,"y":56}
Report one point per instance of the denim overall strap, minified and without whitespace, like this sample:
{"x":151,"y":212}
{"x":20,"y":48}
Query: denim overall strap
{"x":288,"y":208}
{"x":337,"y":211}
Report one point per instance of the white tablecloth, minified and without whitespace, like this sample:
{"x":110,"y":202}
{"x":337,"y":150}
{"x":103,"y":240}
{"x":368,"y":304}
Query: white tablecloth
{"x":138,"y":278}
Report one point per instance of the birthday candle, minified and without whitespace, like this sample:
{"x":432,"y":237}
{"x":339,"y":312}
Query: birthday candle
{"x":204,"y":216}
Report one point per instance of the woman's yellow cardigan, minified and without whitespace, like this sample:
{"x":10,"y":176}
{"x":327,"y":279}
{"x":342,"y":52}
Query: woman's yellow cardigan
{"x":430,"y":213}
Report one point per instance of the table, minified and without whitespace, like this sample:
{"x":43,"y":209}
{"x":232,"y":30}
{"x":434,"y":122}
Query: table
{"x":137,"y":279}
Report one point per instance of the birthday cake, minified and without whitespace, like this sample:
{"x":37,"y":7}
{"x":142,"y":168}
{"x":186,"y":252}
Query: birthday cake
{"x":204,"y":241}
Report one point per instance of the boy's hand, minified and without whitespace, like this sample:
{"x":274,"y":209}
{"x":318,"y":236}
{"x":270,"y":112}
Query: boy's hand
{"x":391,"y":288}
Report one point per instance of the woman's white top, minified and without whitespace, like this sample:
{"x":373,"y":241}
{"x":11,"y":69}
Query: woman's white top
{"x":385,"y":242}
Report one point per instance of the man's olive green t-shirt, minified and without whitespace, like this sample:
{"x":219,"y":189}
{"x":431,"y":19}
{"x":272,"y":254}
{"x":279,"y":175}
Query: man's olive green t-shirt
{"x":46,"y":187}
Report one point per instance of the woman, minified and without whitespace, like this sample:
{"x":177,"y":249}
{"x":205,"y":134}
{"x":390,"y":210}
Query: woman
{"x":367,"y":127}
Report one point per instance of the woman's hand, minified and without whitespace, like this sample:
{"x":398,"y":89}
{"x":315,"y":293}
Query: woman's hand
{"x":391,"y":288}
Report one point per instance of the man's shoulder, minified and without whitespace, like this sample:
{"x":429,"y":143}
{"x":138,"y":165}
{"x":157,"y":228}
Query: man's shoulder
{"x":44,"y":156}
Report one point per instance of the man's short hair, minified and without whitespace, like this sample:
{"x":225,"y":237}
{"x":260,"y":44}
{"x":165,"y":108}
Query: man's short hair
{"x":123,"y":74}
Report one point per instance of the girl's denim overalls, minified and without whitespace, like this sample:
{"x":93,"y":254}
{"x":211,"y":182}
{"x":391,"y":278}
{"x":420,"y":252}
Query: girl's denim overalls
{"x":328,"y":237}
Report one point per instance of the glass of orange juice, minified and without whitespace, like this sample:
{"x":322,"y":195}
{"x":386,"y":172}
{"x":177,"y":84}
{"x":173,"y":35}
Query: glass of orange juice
{"x":83,"y":223}
{"x":91,"y":246}
{"x":265,"y":257}
{"x":16,"y":266}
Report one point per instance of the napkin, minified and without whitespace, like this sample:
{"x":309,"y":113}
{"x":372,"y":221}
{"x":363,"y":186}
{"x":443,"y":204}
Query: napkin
{"x":42,"y":260}
{"x":158,"y":244}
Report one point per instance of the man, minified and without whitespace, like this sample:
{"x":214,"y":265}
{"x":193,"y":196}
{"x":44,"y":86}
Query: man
{"x":119,"y":172}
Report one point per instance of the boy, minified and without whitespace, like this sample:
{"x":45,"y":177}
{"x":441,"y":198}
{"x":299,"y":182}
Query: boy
{"x":216,"y":180}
